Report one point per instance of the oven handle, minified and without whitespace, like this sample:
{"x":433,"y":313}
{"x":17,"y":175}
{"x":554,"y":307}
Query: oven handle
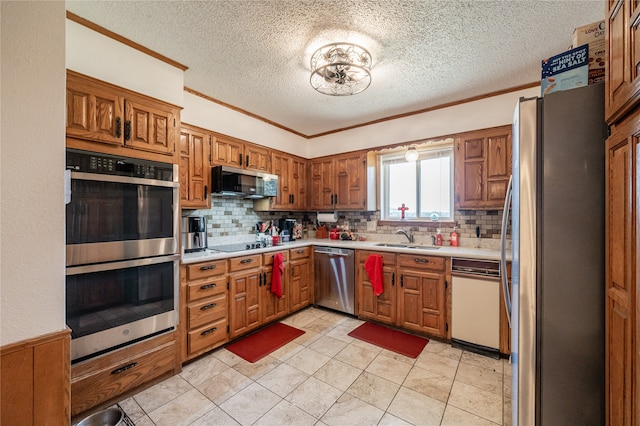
{"x":85,"y":269}
{"x":123,"y":179}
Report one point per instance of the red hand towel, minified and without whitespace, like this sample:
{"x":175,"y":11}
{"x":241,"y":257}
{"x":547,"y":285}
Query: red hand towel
{"x":373,"y":266}
{"x":276,"y":275}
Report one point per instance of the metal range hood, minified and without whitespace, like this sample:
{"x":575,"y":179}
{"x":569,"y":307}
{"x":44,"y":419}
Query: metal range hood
{"x":240,"y":183}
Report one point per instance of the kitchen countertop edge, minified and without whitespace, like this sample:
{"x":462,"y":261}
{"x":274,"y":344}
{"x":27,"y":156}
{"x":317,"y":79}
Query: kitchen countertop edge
{"x":443,"y":251}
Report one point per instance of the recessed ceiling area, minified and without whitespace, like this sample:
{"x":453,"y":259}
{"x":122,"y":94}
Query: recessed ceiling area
{"x":254,"y":54}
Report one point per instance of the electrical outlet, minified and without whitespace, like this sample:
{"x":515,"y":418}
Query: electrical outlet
{"x":371,"y":225}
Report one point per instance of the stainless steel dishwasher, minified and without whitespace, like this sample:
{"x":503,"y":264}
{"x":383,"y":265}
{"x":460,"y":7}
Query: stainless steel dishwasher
{"x":335,"y":278}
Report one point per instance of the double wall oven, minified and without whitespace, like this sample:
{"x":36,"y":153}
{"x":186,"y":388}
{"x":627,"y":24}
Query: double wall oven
{"x":122,"y":251}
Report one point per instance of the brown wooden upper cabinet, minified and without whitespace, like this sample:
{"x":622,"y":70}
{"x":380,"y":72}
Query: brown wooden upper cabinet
{"x":195,"y":167}
{"x":338,"y":183}
{"x":292,"y":182}
{"x":622,"y":85}
{"x":101,"y":112}
{"x":482,"y":168}
{"x":228,"y":151}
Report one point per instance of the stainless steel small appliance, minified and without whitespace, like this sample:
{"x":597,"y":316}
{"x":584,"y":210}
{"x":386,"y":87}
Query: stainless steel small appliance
{"x":335,"y":278}
{"x":123,"y":261}
{"x":194,"y":233}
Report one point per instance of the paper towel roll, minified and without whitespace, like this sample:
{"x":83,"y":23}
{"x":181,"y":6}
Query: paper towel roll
{"x":327,"y":217}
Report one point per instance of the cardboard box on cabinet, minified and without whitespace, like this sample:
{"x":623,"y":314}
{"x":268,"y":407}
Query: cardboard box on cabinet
{"x":565,"y":71}
{"x":593,"y":35}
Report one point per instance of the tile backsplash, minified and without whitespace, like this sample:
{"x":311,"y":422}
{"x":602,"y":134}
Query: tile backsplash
{"x":235,"y":219}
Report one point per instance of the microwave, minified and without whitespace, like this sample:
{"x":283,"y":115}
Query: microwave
{"x":232,"y":182}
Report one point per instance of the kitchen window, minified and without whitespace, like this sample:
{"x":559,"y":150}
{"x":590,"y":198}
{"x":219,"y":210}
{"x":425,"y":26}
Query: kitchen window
{"x":424,"y":188}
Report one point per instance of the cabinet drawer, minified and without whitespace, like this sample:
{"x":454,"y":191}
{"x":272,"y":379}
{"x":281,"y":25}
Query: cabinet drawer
{"x":197,"y":291}
{"x":208,"y":310}
{"x":244,"y":262}
{"x":208,"y":336}
{"x":206,"y":269}
{"x":432,"y":263}
{"x":299,"y":253}
{"x":388,"y":259}
{"x":92,"y":389}
{"x":267,"y":258}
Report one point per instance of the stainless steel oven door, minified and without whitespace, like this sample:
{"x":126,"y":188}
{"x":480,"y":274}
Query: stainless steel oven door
{"x":110,"y":305}
{"x":113,"y":218}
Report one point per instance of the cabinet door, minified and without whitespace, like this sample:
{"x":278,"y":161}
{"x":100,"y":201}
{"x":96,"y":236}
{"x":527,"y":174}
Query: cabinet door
{"x":469,"y":171}
{"x":194,"y":170}
{"x":298,"y":183}
{"x":622,"y":85}
{"x":282,"y":164}
{"x":227,"y":152}
{"x":321,"y":192}
{"x":299,"y":284}
{"x":351,"y":186}
{"x":498,"y":167}
{"x":622,"y":374}
{"x":380,"y":308}
{"x":257,"y":158}
{"x":94,"y":112}
{"x":482,"y":167}
{"x":272,"y":307}
{"x":244,"y":302}
{"x":421,"y":302}
{"x":150,"y":128}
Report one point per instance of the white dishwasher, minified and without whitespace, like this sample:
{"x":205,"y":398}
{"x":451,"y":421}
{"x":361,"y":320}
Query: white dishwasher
{"x":475,"y":305}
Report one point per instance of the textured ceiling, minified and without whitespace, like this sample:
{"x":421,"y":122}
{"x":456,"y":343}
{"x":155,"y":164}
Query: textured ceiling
{"x":254,"y":54}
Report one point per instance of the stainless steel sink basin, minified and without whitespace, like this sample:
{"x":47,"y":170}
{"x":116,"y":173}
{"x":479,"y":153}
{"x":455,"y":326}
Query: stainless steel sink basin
{"x":411,"y":246}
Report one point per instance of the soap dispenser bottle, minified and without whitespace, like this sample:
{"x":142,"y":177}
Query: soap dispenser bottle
{"x":454,"y":238}
{"x":438,"y":237}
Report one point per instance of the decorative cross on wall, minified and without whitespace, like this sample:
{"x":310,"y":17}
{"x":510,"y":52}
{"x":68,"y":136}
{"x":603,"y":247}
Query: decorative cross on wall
{"x":403,"y":209}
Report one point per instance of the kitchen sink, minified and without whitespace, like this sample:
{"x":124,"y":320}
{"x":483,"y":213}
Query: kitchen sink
{"x":411,"y":246}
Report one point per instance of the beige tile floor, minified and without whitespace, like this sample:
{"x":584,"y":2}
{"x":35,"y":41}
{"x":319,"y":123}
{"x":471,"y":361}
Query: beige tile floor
{"x":326,"y":377}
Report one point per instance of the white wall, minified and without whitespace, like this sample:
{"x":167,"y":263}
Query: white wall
{"x":104,"y":58}
{"x":489,"y":112}
{"x":209,"y":115}
{"x":32,"y":282}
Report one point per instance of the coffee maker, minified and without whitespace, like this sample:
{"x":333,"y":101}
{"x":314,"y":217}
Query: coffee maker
{"x":286,"y":227}
{"x":194,"y":234}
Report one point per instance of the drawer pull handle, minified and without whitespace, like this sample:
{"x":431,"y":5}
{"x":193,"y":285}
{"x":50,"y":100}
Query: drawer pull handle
{"x":246,"y":260}
{"x":209,"y":306}
{"x":207,"y":268}
{"x":125,"y":368}
{"x":300,"y":252}
{"x":401,"y":280}
{"x":209,"y":331}
{"x":421,"y":260}
{"x":207,"y":286}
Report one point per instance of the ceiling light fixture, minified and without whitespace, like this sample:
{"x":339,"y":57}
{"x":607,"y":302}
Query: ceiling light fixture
{"x":340,"y":69}
{"x":411,"y":154}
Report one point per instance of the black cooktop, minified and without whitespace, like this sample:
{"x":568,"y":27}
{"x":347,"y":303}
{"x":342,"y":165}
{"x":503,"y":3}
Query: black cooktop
{"x":230,"y":248}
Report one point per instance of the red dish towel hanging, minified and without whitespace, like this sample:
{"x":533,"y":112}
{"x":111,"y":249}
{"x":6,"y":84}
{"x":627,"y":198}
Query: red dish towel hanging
{"x":373,"y":266}
{"x":276,"y":275}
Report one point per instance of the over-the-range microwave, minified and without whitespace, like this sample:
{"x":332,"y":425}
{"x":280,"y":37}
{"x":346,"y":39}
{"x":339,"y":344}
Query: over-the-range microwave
{"x":232,"y":182}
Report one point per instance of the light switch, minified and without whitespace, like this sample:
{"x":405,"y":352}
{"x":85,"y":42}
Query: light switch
{"x":371,"y":225}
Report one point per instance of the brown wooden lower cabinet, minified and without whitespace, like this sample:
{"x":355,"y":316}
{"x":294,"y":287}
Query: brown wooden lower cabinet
{"x":300,"y":286}
{"x":244,"y":294}
{"x":274,"y":308}
{"x":35,"y":381}
{"x":103,"y":378}
{"x":413,"y":296}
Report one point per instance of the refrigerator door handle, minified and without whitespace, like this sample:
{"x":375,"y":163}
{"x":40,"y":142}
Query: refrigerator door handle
{"x":503,"y":251}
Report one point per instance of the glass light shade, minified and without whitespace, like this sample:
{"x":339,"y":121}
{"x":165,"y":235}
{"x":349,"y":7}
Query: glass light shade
{"x":411,"y":154}
{"x":340,"y":69}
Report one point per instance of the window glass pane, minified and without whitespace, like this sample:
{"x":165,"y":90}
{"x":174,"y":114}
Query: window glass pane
{"x":401,"y":189}
{"x":435,"y":186}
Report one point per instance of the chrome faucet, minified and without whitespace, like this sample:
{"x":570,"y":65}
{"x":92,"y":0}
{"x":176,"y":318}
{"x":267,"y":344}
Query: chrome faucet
{"x":409,"y":235}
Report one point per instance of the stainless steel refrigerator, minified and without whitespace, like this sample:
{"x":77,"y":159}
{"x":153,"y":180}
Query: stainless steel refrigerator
{"x":557,"y":222}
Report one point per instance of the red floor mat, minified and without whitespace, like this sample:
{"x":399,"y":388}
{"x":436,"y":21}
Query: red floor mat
{"x":263,"y":342}
{"x":393,"y":340}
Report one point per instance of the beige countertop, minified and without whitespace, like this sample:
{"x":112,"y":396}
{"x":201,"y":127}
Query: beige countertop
{"x":446,"y":251}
